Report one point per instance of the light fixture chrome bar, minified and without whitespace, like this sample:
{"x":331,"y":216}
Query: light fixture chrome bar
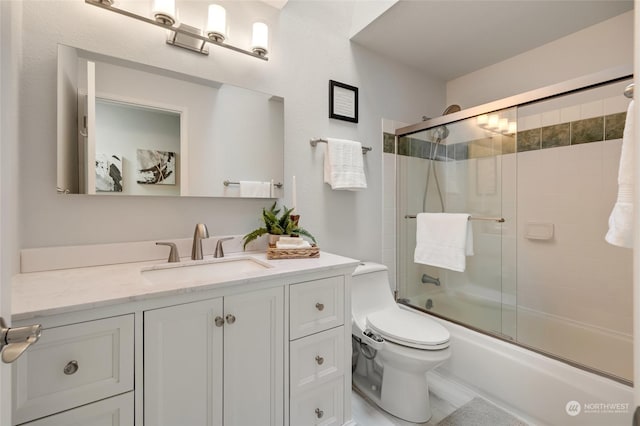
{"x":228,"y":182}
{"x":493,"y":219}
{"x":628,"y":91}
{"x":124,"y":12}
{"x":314,"y":142}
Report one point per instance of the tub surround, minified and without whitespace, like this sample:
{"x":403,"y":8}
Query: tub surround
{"x":291,"y":312}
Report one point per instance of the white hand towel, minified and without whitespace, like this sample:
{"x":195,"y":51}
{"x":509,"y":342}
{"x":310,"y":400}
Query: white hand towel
{"x":255,"y":189}
{"x":304,"y":244}
{"x":443,"y":240}
{"x":343,"y":165}
{"x":621,"y":218}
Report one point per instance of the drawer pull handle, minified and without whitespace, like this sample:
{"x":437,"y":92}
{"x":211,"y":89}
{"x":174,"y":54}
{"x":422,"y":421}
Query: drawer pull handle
{"x":71,"y":367}
{"x":319,"y":413}
{"x":230,"y":319}
{"x":319,"y":360}
{"x":319,"y":306}
{"x":219,"y":321}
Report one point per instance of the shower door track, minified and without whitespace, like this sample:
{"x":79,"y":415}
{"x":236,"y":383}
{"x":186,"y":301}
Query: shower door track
{"x":586,"y":82}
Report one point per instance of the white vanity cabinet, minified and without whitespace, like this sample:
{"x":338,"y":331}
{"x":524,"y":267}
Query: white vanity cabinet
{"x":271,"y":348}
{"x":216,"y":362}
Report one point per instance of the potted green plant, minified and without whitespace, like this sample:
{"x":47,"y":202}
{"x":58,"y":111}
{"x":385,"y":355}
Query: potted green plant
{"x":276,"y":226}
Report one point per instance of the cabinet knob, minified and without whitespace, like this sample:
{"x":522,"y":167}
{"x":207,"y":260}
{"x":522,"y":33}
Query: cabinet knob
{"x":319,"y":360}
{"x":230,"y":319}
{"x":319,"y":413}
{"x":71,"y":367}
{"x":319,"y":306}
{"x":219,"y":321}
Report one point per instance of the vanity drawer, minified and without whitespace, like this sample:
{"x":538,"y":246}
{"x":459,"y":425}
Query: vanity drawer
{"x":74,"y":365}
{"x":316,"y":359}
{"x":316,"y":306}
{"x":320,"y":406}
{"x":115,"y":411}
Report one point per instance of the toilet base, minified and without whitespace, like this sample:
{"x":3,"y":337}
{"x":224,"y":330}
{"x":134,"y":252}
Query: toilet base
{"x":407,"y":396}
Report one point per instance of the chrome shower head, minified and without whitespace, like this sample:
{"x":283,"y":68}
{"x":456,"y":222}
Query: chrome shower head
{"x":441,"y":132}
{"x":451,"y":109}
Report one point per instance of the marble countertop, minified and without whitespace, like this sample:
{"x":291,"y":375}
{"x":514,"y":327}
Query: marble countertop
{"x":39,"y":294}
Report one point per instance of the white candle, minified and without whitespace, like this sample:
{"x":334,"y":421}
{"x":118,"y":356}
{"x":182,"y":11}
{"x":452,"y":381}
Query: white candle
{"x":293,"y":196}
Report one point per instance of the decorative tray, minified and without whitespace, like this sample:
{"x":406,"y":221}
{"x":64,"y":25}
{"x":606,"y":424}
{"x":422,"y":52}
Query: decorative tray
{"x":302,"y":253}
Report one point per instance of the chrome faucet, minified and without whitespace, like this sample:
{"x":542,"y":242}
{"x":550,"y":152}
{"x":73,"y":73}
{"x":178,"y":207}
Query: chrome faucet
{"x":219,"y":252}
{"x":428,"y":279}
{"x":199,"y":234}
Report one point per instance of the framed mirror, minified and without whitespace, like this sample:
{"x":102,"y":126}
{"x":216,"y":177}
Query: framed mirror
{"x":126,"y":128}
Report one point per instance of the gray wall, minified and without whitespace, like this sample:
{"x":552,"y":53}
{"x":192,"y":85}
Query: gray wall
{"x":309,"y":46}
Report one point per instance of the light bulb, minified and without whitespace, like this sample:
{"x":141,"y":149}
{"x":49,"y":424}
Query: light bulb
{"x":482,"y":120}
{"x":503,"y":125}
{"x":260,"y":39}
{"x":217,"y":23}
{"x":493,"y":122}
{"x":164,"y":11}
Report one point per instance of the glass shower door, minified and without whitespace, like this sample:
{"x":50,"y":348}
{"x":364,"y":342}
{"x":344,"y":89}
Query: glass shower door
{"x":467,"y":166}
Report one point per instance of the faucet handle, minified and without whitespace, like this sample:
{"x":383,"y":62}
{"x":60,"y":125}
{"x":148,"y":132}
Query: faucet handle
{"x":219,"y":252}
{"x":173,"y":254}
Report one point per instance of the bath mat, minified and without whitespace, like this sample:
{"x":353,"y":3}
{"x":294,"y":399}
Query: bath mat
{"x":479,"y":412}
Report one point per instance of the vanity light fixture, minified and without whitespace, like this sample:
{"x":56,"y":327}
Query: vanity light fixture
{"x":164,"y":11}
{"x":217,"y":23}
{"x":191,"y":38}
{"x":495,"y":124}
{"x":260,"y":38}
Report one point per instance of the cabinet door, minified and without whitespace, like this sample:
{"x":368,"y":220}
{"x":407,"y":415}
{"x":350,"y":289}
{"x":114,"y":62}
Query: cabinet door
{"x":253,"y":358}
{"x":183,"y":365}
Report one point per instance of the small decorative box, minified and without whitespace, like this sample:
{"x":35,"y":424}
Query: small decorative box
{"x":302,"y":253}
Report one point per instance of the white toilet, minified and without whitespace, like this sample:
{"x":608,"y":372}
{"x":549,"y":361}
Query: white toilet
{"x":392,"y":372}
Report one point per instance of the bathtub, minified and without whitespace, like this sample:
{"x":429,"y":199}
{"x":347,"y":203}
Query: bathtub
{"x":539,"y":389}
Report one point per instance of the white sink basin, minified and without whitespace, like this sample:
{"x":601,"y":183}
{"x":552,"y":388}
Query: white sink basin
{"x":208,"y":271}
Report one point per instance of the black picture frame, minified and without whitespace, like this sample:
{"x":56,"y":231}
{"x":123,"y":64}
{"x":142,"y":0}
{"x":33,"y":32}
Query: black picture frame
{"x":343,"y":101}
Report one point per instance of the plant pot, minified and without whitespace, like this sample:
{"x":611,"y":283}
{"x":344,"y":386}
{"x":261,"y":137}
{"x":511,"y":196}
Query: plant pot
{"x":273,"y":239}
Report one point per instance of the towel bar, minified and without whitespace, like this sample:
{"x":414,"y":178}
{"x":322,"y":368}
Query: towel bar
{"x":228,"y":182}
{"x":315,"y":141}
{"x":495,"y":219}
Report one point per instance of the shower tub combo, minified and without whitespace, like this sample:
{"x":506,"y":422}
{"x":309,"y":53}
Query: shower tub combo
{"x":542,"y":315}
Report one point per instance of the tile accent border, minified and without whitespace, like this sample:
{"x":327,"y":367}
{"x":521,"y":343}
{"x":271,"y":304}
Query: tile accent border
{"x":598,"y":129}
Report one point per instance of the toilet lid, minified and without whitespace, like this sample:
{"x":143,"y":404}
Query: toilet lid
{"x":408,"y":328}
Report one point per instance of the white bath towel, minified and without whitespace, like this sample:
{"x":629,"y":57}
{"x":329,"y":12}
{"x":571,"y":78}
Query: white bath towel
{"x":443,"y":240}
{"x":621,"y":219}
{"x":343,"y":165}
{"x":255,"y":189}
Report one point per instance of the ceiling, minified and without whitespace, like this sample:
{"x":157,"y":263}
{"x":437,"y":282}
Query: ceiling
{"x":450,"y":38}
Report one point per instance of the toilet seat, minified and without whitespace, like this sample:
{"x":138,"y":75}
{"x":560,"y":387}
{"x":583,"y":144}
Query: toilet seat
{"x":408,"y":329}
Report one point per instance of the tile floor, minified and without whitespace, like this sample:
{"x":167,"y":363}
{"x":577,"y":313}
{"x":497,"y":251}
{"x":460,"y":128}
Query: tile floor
{"x":366,"y":413}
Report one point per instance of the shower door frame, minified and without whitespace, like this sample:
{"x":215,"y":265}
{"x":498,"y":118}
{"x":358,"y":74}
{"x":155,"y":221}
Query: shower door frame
{"x":586,"y":82}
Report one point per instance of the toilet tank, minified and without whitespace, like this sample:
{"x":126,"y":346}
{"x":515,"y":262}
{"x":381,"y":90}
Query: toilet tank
{"x":370,"y":291}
